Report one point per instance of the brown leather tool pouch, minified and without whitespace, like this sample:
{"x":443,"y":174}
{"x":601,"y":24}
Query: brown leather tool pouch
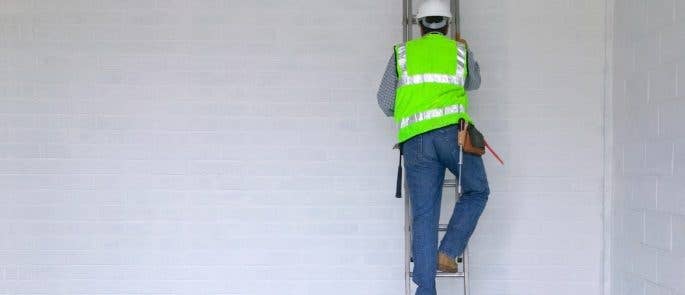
{"x":472,"y":140}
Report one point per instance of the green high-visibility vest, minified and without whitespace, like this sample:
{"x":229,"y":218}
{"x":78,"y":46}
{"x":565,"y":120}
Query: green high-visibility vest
{"x":431,"y":74}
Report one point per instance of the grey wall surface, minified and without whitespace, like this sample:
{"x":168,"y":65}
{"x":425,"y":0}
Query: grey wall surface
{"x":235,"y":147}
{"x":541,"y":106}
{"x":648,"y":240}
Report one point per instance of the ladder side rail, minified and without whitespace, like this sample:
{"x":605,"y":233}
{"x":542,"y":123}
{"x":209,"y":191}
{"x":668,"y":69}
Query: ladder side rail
{"x":465,"y":259}
{"x":456,"y":12}
{"x":407,"y":242}
{"x":407,"y":20}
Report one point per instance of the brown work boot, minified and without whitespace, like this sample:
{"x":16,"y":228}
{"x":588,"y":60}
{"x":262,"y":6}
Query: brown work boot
{"x":446,"y":264}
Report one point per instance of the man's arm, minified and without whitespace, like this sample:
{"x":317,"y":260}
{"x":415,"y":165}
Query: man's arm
{"x":473,"y":74}
{"x":386,"y":92}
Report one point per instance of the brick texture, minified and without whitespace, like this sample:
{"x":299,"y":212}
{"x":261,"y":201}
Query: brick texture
{"x":648,"y":105}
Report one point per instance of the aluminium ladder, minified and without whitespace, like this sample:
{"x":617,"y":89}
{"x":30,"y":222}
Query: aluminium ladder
{"x":408,"y":23}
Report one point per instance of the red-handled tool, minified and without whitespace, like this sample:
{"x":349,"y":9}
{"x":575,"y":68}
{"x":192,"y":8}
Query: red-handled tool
{"x":494,"y":153}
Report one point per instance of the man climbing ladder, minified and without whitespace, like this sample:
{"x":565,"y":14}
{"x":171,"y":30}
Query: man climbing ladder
{"x":424,"y":88}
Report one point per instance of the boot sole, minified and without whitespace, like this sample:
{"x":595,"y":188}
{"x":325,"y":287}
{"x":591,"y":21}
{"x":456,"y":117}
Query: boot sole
{"x":445,"y":268}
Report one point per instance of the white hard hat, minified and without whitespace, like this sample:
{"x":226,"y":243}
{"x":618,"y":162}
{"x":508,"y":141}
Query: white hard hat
{"x":434,"y":8}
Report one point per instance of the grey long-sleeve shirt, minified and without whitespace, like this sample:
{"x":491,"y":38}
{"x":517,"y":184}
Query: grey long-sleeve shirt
{"x":386,"y":91}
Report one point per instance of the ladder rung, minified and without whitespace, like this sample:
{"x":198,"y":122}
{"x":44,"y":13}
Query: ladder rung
{"x":445,"y":274}
{"x":441,"y":227}
{"x":450,"y":275}
{"x":450,"y":183}
{"x":460,"y":259}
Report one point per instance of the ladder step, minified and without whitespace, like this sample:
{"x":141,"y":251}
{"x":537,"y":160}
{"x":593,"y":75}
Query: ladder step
{"x":460,"y":259}
{"x":444,"y":274}
{"x":441,"y":227}
{"x":450,"y":275}
{"x":450,"y":183}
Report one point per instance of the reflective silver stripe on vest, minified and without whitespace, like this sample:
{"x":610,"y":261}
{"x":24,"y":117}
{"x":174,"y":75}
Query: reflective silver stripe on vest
{"x":457,"y":79}
{"x":428,"y":78}
{"x":461,"y":62}
{"x":402,"y":59}
{"x":431,"y":114}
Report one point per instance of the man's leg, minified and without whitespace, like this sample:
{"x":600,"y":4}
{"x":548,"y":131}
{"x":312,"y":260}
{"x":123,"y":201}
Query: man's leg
{"x":425,"y":176}
{"x":468,"y":209}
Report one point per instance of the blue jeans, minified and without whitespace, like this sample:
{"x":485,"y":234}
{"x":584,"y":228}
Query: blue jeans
{"x":426,"y":157}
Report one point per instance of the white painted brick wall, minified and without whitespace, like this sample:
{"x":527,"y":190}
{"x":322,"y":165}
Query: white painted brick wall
{"x":235,"y":147}
{"x":541,"y":233}
{"x":649,"y":137}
